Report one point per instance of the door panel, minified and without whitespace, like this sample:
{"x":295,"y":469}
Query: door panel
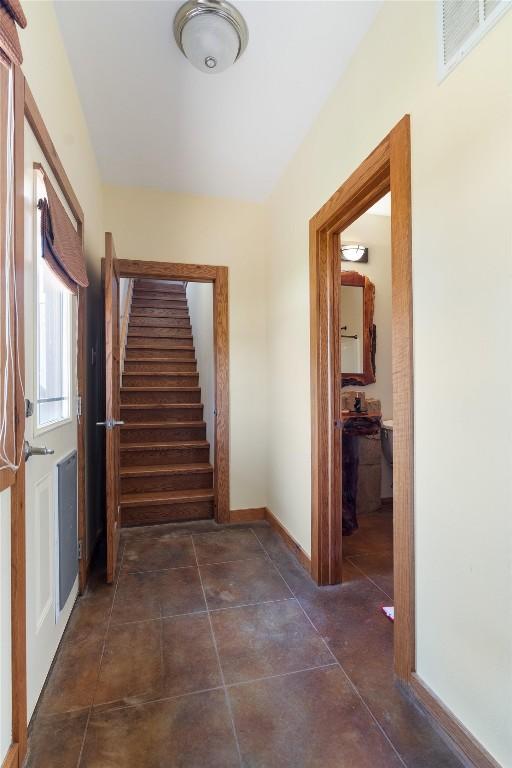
{"x":57,"y":430}
{"x":112,"y":401}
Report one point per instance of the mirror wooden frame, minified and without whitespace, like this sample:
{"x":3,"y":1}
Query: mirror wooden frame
{"x":356,"y":280}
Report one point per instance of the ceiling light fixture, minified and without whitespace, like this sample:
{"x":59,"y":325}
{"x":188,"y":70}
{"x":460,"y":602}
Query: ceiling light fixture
{"x":354,"y":252}
{"x":212,"y":34}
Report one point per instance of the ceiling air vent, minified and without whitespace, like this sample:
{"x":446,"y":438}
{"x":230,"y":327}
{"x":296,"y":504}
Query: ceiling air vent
{"x":462,"y":24}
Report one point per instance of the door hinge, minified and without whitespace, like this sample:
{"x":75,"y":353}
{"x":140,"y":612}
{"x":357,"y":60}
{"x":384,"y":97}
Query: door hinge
{"x":79,"y":405}
{"x":80,"y":549}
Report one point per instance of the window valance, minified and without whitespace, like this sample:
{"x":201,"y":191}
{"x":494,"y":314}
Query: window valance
{"x":61,"y":243}
{"x":11,"y":14}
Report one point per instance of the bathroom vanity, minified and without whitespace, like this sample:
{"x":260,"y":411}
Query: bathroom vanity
{"x":354,"y":425}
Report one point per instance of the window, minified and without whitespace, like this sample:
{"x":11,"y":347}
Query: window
{"x":462,"y":24}
{"x":53,"y":385}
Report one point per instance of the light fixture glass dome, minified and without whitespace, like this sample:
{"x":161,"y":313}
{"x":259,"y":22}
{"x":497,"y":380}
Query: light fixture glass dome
{"x":354,"y":252}
{"x":210,"y":42}
{"x":211,"y":33}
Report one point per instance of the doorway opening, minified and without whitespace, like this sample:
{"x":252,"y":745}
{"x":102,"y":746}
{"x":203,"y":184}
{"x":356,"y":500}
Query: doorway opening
{"x":167,"y":400}
{"x":386,"y":170}
{"x":367,"y":399}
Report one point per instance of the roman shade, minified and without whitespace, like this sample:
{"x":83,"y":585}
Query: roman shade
{"x":61,"y":243}
{"x":11,"y":14}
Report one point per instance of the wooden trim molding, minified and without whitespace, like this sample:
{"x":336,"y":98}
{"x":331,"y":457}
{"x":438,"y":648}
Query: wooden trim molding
{"x":386,"y":169}
{"x":11,"y":758}
{"x":451,"y":725}
{"x":247,"y":515}
{"x":288,"y":539}
{"x":204,"y":273}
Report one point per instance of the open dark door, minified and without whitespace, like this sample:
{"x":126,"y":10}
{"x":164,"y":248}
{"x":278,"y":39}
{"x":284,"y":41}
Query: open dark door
{"x":112,"y":407}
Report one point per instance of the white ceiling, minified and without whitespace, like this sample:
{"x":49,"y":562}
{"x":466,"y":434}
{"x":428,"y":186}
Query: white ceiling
{"x":155,"y":121}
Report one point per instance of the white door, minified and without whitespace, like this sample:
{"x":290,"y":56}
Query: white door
{"x":50,"y":314}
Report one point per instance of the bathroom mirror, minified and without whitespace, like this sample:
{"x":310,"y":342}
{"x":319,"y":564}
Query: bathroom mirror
{"x":358,"y":335}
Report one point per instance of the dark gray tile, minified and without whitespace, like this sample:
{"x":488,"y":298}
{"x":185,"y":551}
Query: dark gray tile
{"x":242,"y":582}
{"x":233,"y":544}
{"x":310,"y":719}
{"x":268,"y":639}
{"x":155,"y":594}
{"x":158,"y":552}
{"x":187,"y":732}
{"x":55,"y":742}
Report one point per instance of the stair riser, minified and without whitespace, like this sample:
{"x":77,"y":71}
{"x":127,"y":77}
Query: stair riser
{"x":166,"y":513}
{"x":172,"y":482}
{"x":189,"y":366}
{"x":159,"y":333}
{"x":159,"y":398}
{"x":159,"y":456}
{"x":160,"y":295}
{"x":161,"y":354}
{"x":158,"y":285}
{"x":160,"y":322}
{"x":158,"y":312}
{"x":168,"y":380}
{"x":169,"y":304}
{"x":159,"y":434}
{"x":134,"y":415}
{"x":139,"y":342}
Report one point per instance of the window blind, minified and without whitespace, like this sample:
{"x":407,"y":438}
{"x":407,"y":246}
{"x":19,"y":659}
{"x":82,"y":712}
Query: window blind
{"x":11,"y":14}
{"x":61,"y":244}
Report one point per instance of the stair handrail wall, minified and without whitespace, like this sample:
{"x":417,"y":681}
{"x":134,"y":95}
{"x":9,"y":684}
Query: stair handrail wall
{"x":125,"y":319}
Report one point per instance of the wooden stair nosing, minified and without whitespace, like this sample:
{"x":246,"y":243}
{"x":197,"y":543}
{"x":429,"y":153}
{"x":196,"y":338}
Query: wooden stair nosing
{"x":171,"y":445}
{"x":155,"y":498}
{"x":166,"y":469}
{"x":163,"y":424}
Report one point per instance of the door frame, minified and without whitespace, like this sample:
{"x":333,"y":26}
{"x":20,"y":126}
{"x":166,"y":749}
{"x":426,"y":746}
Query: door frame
{"x":387,"y":168}
{"x":218,"y":276}
{"x":26,"y":107}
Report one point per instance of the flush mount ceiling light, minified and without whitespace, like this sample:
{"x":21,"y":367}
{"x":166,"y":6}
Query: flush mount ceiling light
{"x":212,"y":34}
{"x":354,"y":252}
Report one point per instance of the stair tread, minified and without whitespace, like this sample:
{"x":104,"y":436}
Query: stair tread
{"x":166,"y":469}
{"x":159,"y":373}
{"x":162,"y":446}
{"x":158,"y":497}
{"x":157,"y":406}
{"x":161,"y":359}
{"x":160,"y":389}
{"x":158,"y":424}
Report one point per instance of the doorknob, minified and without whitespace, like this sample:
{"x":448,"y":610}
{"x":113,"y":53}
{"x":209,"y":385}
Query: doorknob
{"x":34,"y":450}
{"x":109,"y":423}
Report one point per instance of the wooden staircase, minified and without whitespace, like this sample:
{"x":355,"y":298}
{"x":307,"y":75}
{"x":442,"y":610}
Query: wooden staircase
{"x":166,"y":475}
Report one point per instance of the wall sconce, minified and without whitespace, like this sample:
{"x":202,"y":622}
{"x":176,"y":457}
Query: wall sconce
{"x":354,"y":252}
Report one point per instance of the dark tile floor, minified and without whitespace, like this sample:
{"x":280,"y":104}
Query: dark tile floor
{"x":215,"y":649}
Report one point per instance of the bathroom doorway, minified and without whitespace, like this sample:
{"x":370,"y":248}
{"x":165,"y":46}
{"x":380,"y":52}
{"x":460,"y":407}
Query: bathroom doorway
{"x":367,"y":399}
{"x":386,"y":169}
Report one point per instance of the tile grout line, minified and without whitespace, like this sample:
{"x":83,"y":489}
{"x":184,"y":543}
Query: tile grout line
{"x":168,"y":616}
{"x":184,"y":567}
{"x":80,"y":755}
{"x":337,"y":662}
{"x":357,"y":567}
{"x":214,"y":640}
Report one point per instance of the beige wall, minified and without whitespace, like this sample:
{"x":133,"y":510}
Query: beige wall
{"x":462,"y":233}
{"x":162,"y":226}
{"x":375,"y":232}
{"x":200,"y":306}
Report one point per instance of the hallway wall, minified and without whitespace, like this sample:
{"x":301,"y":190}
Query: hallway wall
{"x":200,"y":307}
{"x":164,"y":226}
{"x":462,"y":234}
